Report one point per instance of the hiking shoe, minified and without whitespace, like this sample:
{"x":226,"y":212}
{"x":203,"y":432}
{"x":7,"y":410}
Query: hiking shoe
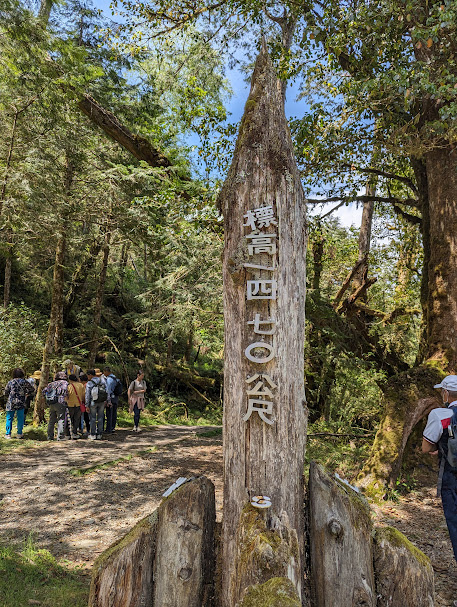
{"x":19,"y":436}
{"x":74,"y":436}
{"x":7,"y":435}
{"x":138,"y":429}
{"x":98,"y":436}
{"x":92,"y":437}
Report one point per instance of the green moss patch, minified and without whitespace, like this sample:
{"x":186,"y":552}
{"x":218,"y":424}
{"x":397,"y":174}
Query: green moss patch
{"x":397,"y":539}
{"x":276,"y":592}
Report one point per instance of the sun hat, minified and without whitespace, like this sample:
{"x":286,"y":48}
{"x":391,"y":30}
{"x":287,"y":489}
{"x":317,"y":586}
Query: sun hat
{"x":98,"y":373}
{"x":448,"y":383}
{"x":36,"y":375}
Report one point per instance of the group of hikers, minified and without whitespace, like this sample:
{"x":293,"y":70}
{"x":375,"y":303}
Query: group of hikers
{"x":80,"y":404}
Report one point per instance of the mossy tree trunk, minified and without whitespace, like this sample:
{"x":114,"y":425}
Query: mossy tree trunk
{"x":263,"y":457}
{"x":410,"y":395}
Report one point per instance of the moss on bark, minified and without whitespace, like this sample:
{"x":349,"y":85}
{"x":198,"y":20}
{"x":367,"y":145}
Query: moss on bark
{"x":407,"y":397}
{"x":276,"y":592}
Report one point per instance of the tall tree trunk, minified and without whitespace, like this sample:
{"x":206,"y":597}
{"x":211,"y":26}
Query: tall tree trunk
{"x":9,"y":236}
{"x":441,"y":166}
{"x":56,"y":312}
{"x":8,"y":268}
{"x":364,"y":239}
{"x":58,"y":284}
{"x":58,"y":338}
{"x":98,"y":307}
{"x":318,"y":253}
{"x":82,"y":272}
{"x":263,"y":446}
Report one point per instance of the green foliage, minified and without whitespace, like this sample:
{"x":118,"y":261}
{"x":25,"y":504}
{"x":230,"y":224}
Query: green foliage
{"x":21,"y":340}
{"x":33,"y":574}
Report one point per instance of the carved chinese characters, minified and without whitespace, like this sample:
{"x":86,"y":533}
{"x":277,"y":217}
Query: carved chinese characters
{"x":260,"y":386}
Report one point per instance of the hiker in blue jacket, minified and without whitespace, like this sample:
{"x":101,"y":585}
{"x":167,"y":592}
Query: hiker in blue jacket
{"x":435,"y":442}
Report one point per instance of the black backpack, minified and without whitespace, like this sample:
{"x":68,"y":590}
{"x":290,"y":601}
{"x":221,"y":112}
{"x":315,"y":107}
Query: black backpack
{"x":118,"y":388}
{"x":99,"y":393}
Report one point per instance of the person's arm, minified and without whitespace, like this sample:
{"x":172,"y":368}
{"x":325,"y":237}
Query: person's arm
{"x":432,"y":434}
{"x":7,"y":389}
{"x":428,"y":447}
{"x":88,"y":394}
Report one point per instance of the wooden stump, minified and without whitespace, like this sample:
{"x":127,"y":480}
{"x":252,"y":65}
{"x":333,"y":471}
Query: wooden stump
{"x":185,"y":561}
{"x":122,"y":575}
{"x":341,"y":545}
{"x":166,"y":560}
{"x":404,"y":575}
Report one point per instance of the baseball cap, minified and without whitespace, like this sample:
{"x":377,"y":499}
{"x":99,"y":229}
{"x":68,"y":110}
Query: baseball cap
{"x":448,"y":383}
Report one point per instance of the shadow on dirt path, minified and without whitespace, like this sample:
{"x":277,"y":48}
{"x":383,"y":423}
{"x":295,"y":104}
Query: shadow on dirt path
{"x":77,"y":517}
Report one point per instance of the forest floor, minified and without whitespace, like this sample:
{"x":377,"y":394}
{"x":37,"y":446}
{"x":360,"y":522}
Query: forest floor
{"x":75,"y":498}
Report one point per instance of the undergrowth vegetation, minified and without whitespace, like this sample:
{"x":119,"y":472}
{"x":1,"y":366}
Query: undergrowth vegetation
{"x":32,"y":576}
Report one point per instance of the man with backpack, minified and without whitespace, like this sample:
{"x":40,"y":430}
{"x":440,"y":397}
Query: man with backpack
{"x":114,"y":387}
{"x":440,"y":438}
{"x":56,"y":395}
{"x":97,"y":398}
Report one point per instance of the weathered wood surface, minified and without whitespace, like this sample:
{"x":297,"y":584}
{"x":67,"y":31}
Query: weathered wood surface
{"x":167,"y":559}
{"x":340,"y":543}
{"x":268,"y":550}
{"x":122,"y":575}
{"x":184,"y":564}
{"x":404,"y":575}
{"x":263,"y":459}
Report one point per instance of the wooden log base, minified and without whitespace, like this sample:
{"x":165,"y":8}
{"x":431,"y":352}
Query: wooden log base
{"x":167,"y":559}
{"x":122,"y":575}
{"x":404,"y":575}
{"x":276,"y":592}
{"x":268,"y":548}
{"x":341,"y":546}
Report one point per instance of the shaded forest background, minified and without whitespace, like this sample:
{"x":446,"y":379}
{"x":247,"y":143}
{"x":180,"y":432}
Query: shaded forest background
{"x":111,"y":237}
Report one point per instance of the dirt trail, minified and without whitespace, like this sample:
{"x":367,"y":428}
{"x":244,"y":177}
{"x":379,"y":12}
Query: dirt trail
{"x":77,"y":518}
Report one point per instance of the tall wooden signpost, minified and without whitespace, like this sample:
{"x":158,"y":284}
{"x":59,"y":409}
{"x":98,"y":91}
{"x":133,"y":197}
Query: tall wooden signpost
{"x":264,"y":300}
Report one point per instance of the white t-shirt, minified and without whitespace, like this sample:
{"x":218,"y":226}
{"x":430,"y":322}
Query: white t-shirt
{"x":438,"y":420}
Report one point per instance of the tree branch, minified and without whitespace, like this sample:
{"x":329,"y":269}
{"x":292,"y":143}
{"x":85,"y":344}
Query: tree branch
{"x":138,"y":146}
{"x":409,"y":202}
{"x":386,"y":174}
{"x":410,"y":218}
{"x":347,"y":281}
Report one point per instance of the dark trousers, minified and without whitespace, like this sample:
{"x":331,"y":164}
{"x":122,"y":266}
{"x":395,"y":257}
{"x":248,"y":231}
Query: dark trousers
{"x":449,"y":499}
{"x":136,"y":415}
{"x":111,"y":416}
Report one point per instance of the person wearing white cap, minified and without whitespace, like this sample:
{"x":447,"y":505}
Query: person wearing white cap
{"x":435,"y":442}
